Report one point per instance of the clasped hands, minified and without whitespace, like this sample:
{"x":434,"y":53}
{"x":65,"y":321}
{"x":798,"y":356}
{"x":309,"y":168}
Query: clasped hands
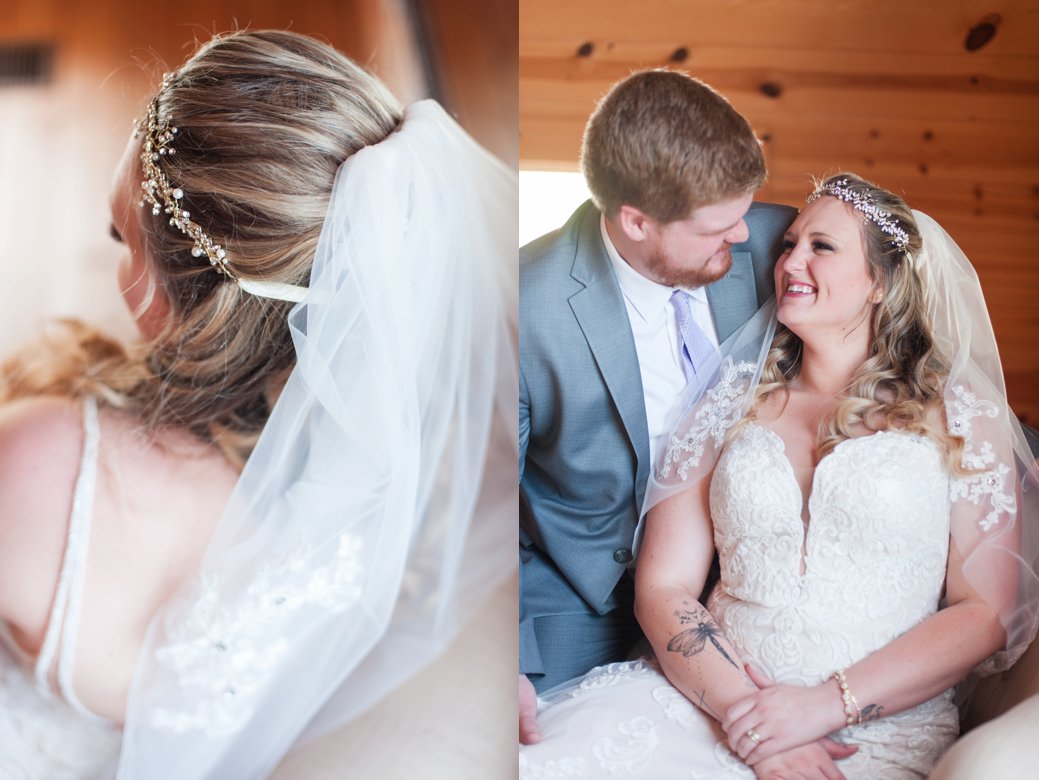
{"x":780,"y":730}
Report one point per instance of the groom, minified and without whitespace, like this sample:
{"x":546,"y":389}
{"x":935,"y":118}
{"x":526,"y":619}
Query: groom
{"x":617,"y":310}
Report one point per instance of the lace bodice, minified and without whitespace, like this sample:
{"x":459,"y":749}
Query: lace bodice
{"x":45,"y":731}
{"x":874,"y":558}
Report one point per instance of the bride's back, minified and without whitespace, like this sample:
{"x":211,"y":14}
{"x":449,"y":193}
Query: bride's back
{"x":235,"y":158}
{"x":157,"y":499}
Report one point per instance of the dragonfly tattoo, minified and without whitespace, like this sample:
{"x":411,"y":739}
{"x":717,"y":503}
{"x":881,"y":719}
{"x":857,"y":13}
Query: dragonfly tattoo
{"x":693,"y":640}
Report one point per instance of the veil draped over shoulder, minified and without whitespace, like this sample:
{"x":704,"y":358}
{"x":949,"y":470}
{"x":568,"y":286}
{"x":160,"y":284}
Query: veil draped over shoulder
{"x":379,"y":504}
{"x":994,"y":508}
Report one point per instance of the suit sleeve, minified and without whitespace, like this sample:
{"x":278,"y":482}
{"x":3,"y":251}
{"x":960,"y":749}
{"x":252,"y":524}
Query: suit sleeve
{"x":524,"y":421}
{"x":529,"y":655}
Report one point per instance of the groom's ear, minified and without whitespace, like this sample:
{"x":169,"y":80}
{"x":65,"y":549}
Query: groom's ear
{"x":634,"y":223}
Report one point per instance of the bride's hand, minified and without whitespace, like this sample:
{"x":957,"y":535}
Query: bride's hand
{"x":777,"y":718}
{"x":811,"y":762}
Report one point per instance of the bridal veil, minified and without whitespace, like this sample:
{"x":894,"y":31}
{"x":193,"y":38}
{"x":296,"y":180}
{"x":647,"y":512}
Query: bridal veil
{"x":378,"y":506}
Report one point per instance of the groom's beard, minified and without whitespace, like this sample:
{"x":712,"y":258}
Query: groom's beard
{"x":664,"y":270}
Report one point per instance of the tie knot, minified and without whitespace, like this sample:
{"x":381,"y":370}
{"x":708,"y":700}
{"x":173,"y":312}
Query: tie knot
{"x":695,"y":347}
{"x":683,"y":304}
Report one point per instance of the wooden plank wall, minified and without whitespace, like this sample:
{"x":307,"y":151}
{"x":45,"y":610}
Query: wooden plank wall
{"x":59,"y":143}
{"x":887,"y":89}
{"x":476,"y":67}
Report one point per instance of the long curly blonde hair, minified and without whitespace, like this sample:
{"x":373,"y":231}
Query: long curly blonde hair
{"x":900,"y":384}
{"x":264,"y":118}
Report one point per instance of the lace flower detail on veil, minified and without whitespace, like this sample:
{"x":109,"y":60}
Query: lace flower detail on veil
{"x":219,"y":647}
{"x":990,"y":484}
{"x":719,"y":409}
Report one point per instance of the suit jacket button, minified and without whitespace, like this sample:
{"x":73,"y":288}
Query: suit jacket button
{"x":622,"y":556}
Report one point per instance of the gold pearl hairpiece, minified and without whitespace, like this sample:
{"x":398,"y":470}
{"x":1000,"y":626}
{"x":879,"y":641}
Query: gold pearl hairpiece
{"x":165,"y":197}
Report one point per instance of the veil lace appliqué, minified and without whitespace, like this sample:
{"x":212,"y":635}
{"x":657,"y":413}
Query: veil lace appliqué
{"x":221,"y":652}
{"x":721,"y":408}
{"x":990,"y":484}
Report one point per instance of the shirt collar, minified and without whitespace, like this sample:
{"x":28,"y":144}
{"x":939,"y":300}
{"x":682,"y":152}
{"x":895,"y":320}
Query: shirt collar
{"x":646,"y":296}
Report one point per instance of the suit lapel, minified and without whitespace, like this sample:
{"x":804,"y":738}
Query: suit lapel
{"x":733,"y":298}
{"x":602,"y":315}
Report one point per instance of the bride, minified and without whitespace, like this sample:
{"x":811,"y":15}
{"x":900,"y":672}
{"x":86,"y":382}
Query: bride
{"x":874,"y":510}
{"x":247,"y":525}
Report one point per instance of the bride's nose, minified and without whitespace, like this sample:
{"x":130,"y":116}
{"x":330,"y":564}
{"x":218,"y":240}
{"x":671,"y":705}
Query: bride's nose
{"x":796,"y":259}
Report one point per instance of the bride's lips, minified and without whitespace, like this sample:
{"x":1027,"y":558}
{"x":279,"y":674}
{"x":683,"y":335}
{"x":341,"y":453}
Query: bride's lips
{"x":796,"y":289}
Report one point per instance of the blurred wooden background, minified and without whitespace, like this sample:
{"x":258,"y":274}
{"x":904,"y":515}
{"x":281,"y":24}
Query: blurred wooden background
{"x":937,"y":100}
{"x":60,"y":140}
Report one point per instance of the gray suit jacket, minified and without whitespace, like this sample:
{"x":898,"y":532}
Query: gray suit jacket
{"x":584,"y":445}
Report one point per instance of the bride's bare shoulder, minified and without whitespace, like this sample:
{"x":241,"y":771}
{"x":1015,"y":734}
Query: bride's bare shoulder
{"x":41,"y":441}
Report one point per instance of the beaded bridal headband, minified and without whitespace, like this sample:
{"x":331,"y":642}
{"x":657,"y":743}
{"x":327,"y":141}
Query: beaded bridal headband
{"x":164,"y":196}
{"x":863,"y":203}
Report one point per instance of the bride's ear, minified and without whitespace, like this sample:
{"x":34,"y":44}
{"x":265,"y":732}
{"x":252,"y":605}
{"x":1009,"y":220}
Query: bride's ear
{"x":144,"y":295}
{"x":877,"y":295}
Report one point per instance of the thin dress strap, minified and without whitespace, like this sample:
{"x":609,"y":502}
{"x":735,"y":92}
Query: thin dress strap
{"x":63,"y":627}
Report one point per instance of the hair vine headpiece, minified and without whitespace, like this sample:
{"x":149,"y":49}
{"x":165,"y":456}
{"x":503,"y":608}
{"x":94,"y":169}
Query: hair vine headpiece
{"x":166,"y":197}
{"x":864,"y":204}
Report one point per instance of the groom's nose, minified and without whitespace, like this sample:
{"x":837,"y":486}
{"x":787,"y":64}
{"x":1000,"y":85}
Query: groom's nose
{"x":738,"y":234}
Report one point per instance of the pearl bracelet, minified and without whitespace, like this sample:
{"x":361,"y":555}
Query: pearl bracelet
{"x":852,"y":713}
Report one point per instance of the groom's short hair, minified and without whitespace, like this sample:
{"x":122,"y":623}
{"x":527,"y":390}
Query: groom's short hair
{"x":667,"y":143}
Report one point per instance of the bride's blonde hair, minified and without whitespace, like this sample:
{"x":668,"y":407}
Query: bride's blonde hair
{"x":900,"y":385}
{"x":264,"y":119}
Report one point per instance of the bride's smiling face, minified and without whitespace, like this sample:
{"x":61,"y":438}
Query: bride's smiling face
{"x":136,"y":284}
{"x":822,"y":280}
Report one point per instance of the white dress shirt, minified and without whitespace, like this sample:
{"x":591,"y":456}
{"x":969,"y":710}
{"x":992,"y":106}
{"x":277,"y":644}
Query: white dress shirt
{"x":652,"y":319}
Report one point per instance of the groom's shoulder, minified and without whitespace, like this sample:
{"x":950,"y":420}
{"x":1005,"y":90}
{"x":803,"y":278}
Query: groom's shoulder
{"x":558,"y":246}
{"x":770,"y":215}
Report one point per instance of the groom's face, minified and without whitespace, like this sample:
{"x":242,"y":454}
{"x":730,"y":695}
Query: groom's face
{"x":694,"y":251}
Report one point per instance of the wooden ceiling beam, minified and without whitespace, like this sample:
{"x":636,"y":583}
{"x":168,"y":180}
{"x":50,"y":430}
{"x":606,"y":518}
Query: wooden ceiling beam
{"x":880,"y":26}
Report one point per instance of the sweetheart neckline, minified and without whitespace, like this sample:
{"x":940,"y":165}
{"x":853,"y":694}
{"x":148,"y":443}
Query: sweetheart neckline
{"x":818,"y":466}
{"x":789,"y":467}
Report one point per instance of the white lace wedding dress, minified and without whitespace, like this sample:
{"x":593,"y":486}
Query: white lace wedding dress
{"x":45,"y":731}
{"x":873,"y":567}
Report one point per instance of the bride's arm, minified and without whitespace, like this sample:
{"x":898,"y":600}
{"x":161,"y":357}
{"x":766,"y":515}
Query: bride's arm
{"x":674,"y":560}
{"x":915,"y":667}
{"x":675,"y":557}
{"x":673,"y":563}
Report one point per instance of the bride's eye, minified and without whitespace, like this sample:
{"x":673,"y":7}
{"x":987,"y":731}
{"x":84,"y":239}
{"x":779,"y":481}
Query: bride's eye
{"x":822,"y":246}
{"x":788,"y":244}
{"x":114,"y":233}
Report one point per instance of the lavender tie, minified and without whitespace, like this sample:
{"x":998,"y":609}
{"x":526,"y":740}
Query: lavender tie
{"x":695,"y":347}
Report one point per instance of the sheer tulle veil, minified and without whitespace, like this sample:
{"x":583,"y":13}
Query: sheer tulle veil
{"x":379,"y":504}
{"x":994,"y":508}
